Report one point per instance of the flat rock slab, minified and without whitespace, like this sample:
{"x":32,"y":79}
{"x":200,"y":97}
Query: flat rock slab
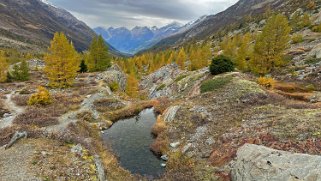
{"x":258,"y":163}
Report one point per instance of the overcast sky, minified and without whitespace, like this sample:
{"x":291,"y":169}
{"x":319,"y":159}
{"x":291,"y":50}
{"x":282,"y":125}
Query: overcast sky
{"x":130,"y":13}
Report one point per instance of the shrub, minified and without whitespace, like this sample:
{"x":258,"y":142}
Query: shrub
{"x":316,"y":28}
{"x":42,"y":97}
{"x":297,"y":38}
{"x":114,"y":86}
{"x":221,"y":64}
{"x":213,"y":84}
{"x":267,"y":82}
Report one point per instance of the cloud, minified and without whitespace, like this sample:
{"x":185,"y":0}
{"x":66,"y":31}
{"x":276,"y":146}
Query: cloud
{"x":130,"y":13}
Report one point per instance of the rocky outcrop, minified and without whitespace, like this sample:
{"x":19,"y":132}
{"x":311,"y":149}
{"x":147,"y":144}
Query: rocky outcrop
{"x":170,"y":113}
{"x":170,"y":81}
{"x":114,"y":74}
{"x":316,"y":51}
{"x":156,"y":82}
{"x":257,"y":163}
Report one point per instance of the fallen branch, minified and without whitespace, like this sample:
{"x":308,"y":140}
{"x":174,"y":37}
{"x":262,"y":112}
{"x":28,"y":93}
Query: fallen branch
{"x":18,"y":135}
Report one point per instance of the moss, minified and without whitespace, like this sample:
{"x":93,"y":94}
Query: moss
{"x":214,"y":84}
{"x":161,"y":87}
{"x":179,"y":78}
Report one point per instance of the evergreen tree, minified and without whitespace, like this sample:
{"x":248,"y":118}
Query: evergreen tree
{"x":21,"y":72}
{"x":83,"y":67}
{"x":3,"y":67}
{"x":271,"y":44}
{"x":98,"y":58}
{"x":62,"y":62}
{"x":181,"y":58}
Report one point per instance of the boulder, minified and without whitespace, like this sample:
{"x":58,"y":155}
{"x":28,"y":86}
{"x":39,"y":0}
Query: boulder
{"x":257,"y":163}
{"x":114,"y":74}
{"x":170,"y":113}
{"x":316,"y":51}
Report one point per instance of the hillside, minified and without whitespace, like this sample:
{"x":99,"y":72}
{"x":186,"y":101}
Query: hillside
{"x":138,"y":38}
{"x":235,"y":15}
{"x":30,"y":25}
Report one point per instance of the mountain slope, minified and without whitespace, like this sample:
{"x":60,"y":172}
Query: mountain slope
{"x":30,"y":24}
{"x":139,"y":38}
{"x":235,"y":14}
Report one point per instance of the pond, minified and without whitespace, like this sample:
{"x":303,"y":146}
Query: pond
{"x":130,"y":140}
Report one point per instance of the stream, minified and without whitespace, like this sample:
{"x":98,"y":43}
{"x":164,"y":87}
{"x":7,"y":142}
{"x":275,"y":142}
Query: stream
{"x":130,"y":140}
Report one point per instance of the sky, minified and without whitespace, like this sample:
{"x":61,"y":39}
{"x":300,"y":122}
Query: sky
{"x":131,"y":13}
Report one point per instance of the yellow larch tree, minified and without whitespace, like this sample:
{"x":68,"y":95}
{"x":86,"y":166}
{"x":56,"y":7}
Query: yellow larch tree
{"x":62,"y":62}
{"x":132,"y":86}
{"x":181,"y":58}
{"x":244,"y":53}
{"x":3,"y":67}
{"x":271,"y":44}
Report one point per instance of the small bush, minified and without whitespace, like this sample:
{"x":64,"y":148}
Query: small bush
{"x":114,"y":86}
{"x":221,"y":64}
{"x":41,"y":97}
{"x":266,"y":82}
{"x":316,"y":28}
{"x":297,"y":38}
{"x":214,"y":84}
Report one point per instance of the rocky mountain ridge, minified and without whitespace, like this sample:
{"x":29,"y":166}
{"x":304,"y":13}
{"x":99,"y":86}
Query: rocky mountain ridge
{"x":234,"y":15}
{"x":30,"y":25}
{"x":139,"y":38}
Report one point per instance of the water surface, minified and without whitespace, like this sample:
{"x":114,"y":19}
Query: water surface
{"x":130,"y":140}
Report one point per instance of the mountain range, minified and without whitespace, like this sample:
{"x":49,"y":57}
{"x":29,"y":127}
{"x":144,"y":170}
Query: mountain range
{"x":234,"y":15}
{"x":30,"y":25}
{"x":139,"y":38}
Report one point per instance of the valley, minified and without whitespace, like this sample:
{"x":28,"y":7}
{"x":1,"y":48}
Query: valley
{"x":232,"y":96}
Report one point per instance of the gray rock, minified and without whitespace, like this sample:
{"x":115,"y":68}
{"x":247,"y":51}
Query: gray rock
{"x":17,"y":136}
{"x":164,"y":157}
{"x":186,"y":148}
{"x":100,"y":168}
{"x":114,"y":74}
{"x":77,"y":149}
{"x":163,"y":164}
{"x":175,"y":144}
{"x":7,"y":115}
{"x":256,"y":163}
{"x":316,"y":51}
{"x":170,"y":113}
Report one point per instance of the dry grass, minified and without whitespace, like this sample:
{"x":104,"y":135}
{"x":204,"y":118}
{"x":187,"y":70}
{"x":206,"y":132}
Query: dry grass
{"x":37,"y":116}
{"x":130,"y":110}
{"x":296,"y":95}
{"x":108,"y":104}
{"x":161,"y":105}
{"x":159,"y":126}
{"x":42,"y":116}
{"x":290,"y":87}
{"x":160,"y":145}
{"x":21,"y":100}
{"x":7,"y":133}
{"x":2,"y":109}
{"x":89,"y":136}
